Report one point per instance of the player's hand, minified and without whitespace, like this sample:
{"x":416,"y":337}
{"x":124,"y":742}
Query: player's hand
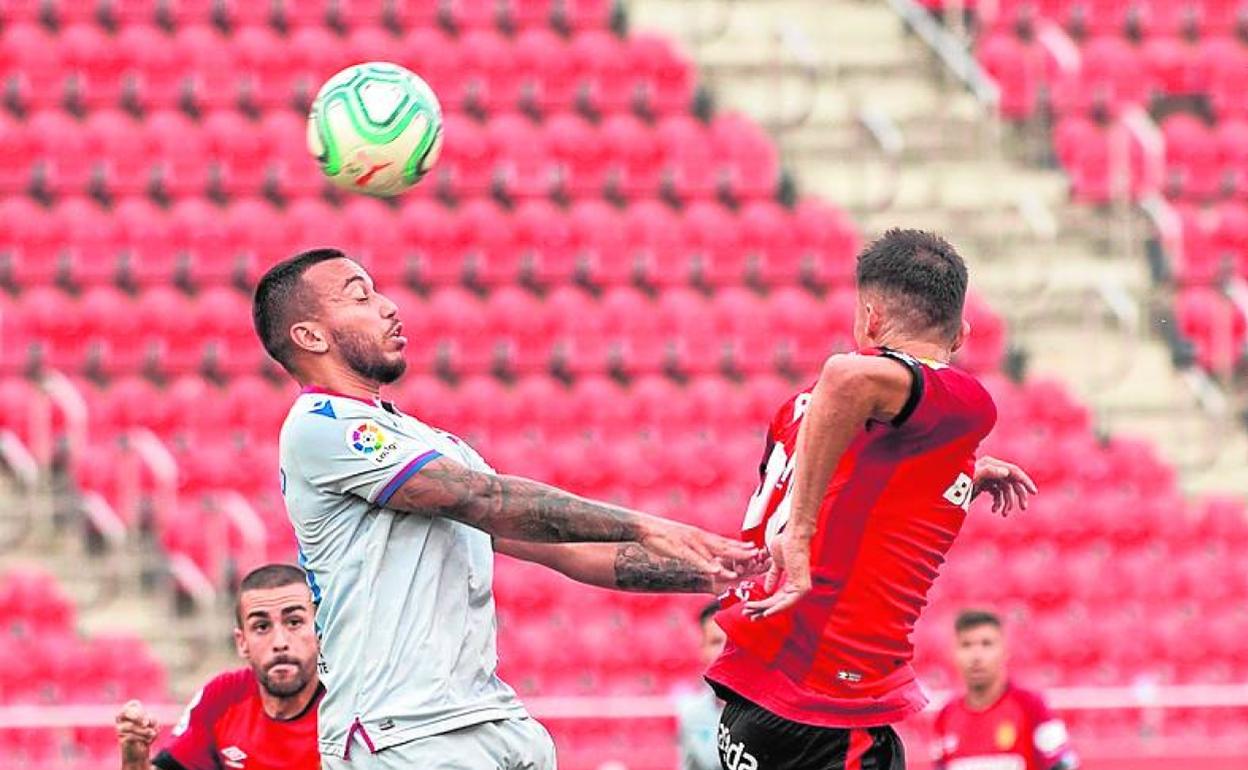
{"x":713,"y":554}
{"x":136,"y":731}
{"x":1006,"y":482}
{"x":787,"y":581}
{"x":757,"y":564}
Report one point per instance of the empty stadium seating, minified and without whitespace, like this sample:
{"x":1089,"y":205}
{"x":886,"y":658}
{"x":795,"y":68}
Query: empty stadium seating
{"x":54,"y":665}
{"x":1184,"y":60}
{"x":604,"y":291}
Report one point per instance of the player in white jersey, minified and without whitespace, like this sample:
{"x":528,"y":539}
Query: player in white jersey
{"x":397,"y":525}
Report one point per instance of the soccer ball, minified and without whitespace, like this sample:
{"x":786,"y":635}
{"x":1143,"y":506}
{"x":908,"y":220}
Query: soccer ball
{"x":375,"y":128}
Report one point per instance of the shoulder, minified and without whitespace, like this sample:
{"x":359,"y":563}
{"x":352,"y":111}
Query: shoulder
{"x":946,"y":712}
{"x":317,"y":415}
{"x":1030,"y":702}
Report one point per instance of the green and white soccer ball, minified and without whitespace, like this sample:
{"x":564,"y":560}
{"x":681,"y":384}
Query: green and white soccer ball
{"x":375,"y":128}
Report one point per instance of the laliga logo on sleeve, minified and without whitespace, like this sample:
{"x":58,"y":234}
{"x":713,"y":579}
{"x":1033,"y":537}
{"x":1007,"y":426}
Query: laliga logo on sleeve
{"x":369,"y":441}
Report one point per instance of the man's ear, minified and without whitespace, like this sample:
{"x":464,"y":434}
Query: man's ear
{"x":240,"y":643}
{"x":960,"y":339}
{"x":309,"y":336}
{"x":874,"y":322}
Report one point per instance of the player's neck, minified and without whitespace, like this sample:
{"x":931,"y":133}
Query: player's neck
{"x":291,"y":706}
{"x":919,"y":348}
{"x":345,"y":382}
{"x":983,"y":699}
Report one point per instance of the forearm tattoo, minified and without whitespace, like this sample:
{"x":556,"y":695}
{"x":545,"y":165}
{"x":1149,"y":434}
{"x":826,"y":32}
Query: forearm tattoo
{"x":636,"y":569}
{"x":517,"y":508}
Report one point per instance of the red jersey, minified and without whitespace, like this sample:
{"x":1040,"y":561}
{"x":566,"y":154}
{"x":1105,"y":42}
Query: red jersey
{"x":895,"y":503}
{"x":225,"y":726}
{"x":1016,"y":733}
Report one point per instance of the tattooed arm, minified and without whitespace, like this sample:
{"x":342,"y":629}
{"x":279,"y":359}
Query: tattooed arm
{"x":625,"y":566}
{"x":513,"y":508}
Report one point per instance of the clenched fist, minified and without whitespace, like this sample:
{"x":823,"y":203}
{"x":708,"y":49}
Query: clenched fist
{"x":136,"y":731}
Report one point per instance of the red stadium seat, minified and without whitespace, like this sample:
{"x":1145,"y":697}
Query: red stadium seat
{"x":96,"y":63}
{"x":634,"y":155}
{"x":828,"y":240}
{"x":768,"y":237}
{"x":436,"y":239}
{"x":1192,"y":162}
{"x":180,"y":149}
{"x":34,"y":77}
{"x":600,"y":60}
{"x":1221,"y":68}
{"x":544,"y":233}
{"x":748,"y":157}
{"x":214,"y":82}
{"x":198,"y":233}
{"x":155,"y":66}
{"x":1215,"y":326}
{"x":1200,"y":261}
{"x":601,"y":243}
{"x":1018,"y":68}
{"x":546,"y":70}
{"x":666,"y":78}
{"x":1172,"y":65}
{"x":18,"y":156}
{"x":713,"y":246}
{"x":493,"y":253}
{"x":34,"y":240}
{"x":59,"y":139}
{"x":689,"y":166}
{"x":163,"y":315}
{"x":580,"y":155}
{"x":492,"y":79}
{"x":238,"y":152}
{"x":579,"y":15}
{"x":524,"y":166}
{"x":467,"y":167}
{"x":91,"y":243}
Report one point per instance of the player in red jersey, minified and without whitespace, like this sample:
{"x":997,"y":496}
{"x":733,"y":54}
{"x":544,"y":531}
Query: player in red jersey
{"x":996,"y":725}
{"x":262,"y":717}
{"x":865,"y":483}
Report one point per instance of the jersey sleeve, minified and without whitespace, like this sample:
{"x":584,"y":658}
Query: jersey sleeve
{"x":356,"y":455}
{"x":192,"y":741}
{"x":1049,"y":739}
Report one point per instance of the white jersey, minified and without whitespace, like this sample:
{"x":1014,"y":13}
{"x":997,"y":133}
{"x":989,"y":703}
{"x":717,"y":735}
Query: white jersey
{"x":405,"y":608}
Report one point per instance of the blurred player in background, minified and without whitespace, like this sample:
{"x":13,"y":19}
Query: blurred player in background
{"x":397,"y":525}
{"x":866,"y":481}
{"x":262,"y":717}
{"x":697,"y":714}
{"x":995,"y":725}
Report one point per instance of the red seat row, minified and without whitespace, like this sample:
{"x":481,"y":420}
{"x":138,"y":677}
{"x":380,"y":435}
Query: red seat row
{"x":1137,"y":18}
{"x":298,"y":14}
{"x":229,"y":155}
{"x":200,"y":66}
{"x":197,"y":244}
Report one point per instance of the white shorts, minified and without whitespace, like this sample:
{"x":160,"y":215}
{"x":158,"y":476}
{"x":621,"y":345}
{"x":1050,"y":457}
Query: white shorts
{"x":507,"y":744}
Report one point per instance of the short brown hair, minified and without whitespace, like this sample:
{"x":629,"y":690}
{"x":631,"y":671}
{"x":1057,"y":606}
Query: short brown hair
{"x":968,"y":619}
{"x":923,"y":270}
{"x":268,"y":576}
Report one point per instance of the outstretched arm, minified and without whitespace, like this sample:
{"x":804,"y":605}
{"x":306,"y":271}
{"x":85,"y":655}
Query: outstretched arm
{"x":514,"y":508}
{"x":851,"y":390}
{"x":628,"y":566}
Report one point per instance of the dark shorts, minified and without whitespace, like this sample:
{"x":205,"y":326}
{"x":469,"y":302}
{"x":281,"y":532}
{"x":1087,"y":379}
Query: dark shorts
{"x":752,"y":738}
